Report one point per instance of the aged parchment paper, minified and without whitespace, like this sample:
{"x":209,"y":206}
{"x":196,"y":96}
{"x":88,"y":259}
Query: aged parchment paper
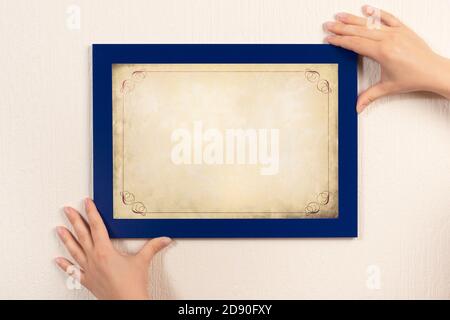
{"x":150,"y":101}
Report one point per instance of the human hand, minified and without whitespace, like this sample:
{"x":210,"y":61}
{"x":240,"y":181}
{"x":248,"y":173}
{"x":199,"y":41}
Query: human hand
{"x":106,"y":272}
{"x":407,"y":63}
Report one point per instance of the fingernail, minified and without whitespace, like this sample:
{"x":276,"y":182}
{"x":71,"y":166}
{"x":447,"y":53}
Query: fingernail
{"x":68,"y":211}
{"x":58,"y":260}
{"x":369,"y":9}
{"x":327,"y":39}
{"x":60,"y":231}
{"x":361,"y":108}
{"x":341,"y":15}
{"x":86,"y":202}
{"x":166,"y":240}
{"x":328,"y":25}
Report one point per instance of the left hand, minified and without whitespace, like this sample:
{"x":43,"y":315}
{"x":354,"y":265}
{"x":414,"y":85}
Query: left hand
{"x":106,"y":272}
{"x":407,"y":62}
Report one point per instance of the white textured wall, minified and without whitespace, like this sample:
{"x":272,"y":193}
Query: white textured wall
{"x":45,"y":141}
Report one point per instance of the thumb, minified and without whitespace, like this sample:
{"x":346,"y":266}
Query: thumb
{"x":153,"y":246}
{"x":377,"y":91}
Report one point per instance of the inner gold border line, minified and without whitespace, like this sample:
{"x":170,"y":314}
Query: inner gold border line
{"x":224,"y":71}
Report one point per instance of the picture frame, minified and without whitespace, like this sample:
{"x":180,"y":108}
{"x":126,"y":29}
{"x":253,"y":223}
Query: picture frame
{"x":107,"y":55}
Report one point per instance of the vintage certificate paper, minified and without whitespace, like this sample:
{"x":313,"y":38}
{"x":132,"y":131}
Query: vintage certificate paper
{"x":225,"y":141}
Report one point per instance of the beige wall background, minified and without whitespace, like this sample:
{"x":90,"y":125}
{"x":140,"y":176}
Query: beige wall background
{"x":45,"y":156}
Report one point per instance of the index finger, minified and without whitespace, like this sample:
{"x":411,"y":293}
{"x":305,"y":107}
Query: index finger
{"x":359,"y":45}
{"x":348,"y":18}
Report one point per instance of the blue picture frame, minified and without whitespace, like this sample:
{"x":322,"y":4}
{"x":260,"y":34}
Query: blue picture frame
{"x":104,"y":55}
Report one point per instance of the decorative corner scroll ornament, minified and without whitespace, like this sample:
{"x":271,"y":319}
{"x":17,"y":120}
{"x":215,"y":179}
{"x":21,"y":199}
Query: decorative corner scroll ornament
{"x":321,"y":84}
{"x":322,"y":199}
{"x":128,"y":85}
{"x":129,"y":200}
